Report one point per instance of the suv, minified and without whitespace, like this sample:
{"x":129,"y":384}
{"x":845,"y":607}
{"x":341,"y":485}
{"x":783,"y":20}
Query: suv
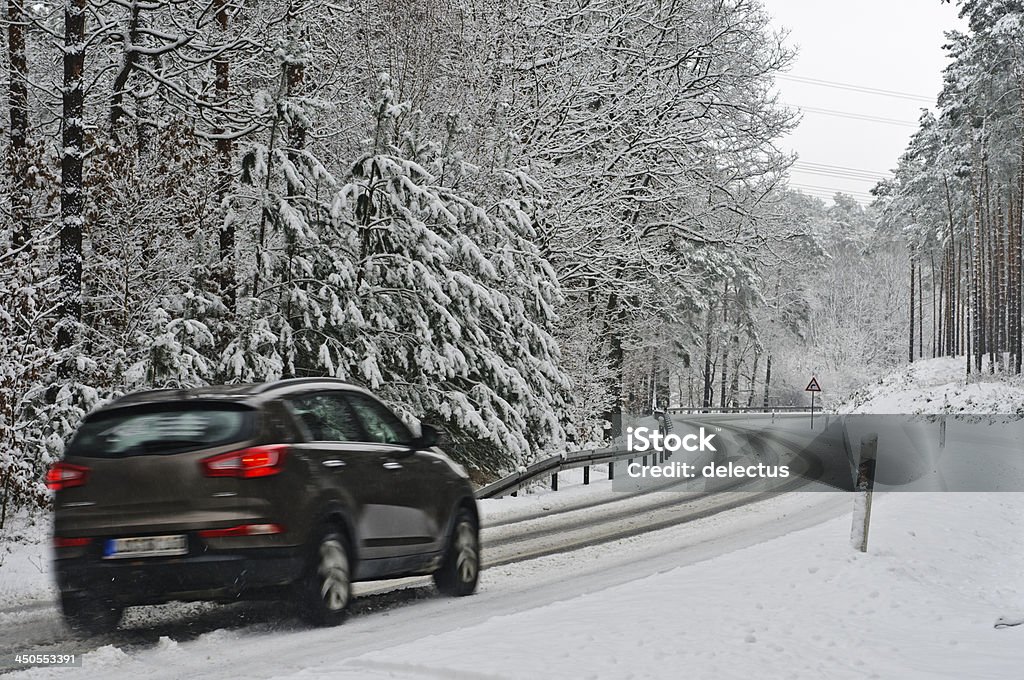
{"x":294,"y":488}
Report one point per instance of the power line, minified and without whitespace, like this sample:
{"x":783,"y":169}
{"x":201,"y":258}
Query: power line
{"x":858,"y":88}
{"x":837,"y":175}
{"x":842,"y":174}
{"x":838,"y":172}
{"x":841,"y":168}
{"x":856,"y":116}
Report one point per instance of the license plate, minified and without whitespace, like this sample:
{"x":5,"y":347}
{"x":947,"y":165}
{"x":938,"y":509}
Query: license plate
{"x":145,"y":546}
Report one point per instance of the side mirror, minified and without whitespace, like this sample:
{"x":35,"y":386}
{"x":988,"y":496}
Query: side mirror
{"x":429,"y":436}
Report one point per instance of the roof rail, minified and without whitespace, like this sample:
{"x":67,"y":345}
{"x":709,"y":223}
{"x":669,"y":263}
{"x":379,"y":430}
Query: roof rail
{"x":267,"y":386}
{"x":132,"y":396}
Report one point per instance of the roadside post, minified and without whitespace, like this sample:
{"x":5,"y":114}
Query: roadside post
{"x":865,"y":488}
{"x":813,"y":387}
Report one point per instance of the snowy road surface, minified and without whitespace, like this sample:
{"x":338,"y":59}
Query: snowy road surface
{"x":590,"y":583}
{"x":515,"y":530}
{"x":770,"y":590}
{"x":263,"y":647}
{"x":590,"y":519}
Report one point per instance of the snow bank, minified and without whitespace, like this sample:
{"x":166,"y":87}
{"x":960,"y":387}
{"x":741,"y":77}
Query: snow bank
{"x":917,"y":605}
{"x":25,"y":555}
{"x":939,"y":386}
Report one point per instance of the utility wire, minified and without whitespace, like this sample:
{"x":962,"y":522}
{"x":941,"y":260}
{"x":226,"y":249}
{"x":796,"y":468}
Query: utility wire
{"x":855,"y":116}
{"x":858,"y":88}
{"x":842,"y":168}
{"x":837,"y":175}
{"x":864,"y":177}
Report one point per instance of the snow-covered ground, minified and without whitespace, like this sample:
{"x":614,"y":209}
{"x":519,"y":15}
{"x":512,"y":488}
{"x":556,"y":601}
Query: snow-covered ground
{"x":772,"y":589}
{"x":25,"y":577}
{"x":768,"y":591}
{"x":939,"y":386}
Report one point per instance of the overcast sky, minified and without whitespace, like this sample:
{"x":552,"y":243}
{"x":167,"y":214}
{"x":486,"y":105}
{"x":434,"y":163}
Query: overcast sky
{"x":893,"y":45}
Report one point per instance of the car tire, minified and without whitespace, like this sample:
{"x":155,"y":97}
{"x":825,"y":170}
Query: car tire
{"x":460,"y":567}
{"x":326,"y":589}
{"x":91,"y":617}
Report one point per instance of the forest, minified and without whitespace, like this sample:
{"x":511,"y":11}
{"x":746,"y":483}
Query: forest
{"x":523,"y":222}
{"x":957,"y":196}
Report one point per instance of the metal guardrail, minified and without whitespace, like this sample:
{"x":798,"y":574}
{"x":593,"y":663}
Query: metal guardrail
{"x":557,"y":463}
{"x":742,"y":409}
{"x":588,"y":457}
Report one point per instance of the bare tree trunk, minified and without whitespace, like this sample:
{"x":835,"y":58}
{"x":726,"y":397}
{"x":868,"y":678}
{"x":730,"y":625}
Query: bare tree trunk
{"x":224,"y":147}
{"x":952,"y":284}
{"x":951,"y":300}
{"x":913,"y":264}
{"x":17,"y":100}
{"x":978,"y":310}
{"x":295,"y":74}
{"x":936,"y":318}
{"x":128,"y":64}
{"x":708,"y":375}
{"x":753,"y":377}
{"x":613,"y":335}
{"x":725,"y":345}
{"x":71,"y":195}
{"x":989,"y":260}
{"x":1014,"y":275}
{"x":920,"y":312}
{"x":999,"y":281}
{"x":1018,"y":237}
{"x":734,"y":384}
{"x":958,"y":299}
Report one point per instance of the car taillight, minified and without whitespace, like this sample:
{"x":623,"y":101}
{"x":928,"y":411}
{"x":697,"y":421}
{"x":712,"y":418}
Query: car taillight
{"x":65,"y":476}
{"x":243,"y":530}
{"x":258,"y":461}
{"x":61,"y":542}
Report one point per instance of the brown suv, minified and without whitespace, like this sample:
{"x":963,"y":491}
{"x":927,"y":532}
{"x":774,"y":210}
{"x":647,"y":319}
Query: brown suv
{"x":296,"y":488}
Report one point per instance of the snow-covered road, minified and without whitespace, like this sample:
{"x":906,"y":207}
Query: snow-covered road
{"x":516,"y":530}
{"x":522,"y":531}
{"x":268,"y":645}
{"x":769,"y":590}
{"x":588,"y":582}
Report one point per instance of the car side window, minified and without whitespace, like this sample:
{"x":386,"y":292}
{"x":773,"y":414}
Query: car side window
{"x":381,"y":425}
{"x":327,"y":417}
{"x":279,"y":425}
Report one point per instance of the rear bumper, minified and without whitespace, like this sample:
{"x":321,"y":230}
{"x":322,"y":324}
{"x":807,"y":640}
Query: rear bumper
{"x":209,"y":576}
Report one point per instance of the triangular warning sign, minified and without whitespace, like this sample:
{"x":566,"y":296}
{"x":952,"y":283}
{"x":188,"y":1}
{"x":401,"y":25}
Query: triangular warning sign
{"x":813,"y":386}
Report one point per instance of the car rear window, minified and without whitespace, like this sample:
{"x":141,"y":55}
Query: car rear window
{"x":164,"y":429}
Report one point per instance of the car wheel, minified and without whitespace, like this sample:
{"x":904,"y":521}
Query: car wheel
{"x":91,"y":617}
{"x":460,"y":568}
{"x":327,"y":586}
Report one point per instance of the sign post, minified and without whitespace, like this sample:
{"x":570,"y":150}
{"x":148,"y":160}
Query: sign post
{"x":812,"y":387}
{"x":865,"y":488}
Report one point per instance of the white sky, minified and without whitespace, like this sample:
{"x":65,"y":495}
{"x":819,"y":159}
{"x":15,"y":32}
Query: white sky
{"x":893,"y":45}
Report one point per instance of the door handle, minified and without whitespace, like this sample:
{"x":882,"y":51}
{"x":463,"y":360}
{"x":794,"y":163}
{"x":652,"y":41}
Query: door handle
{"x":333,"y":463}
{"x":392,"y":465}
